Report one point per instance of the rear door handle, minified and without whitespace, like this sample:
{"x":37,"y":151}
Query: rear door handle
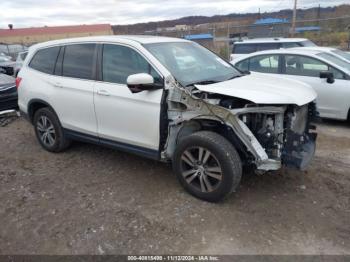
{"x":103,"y":93}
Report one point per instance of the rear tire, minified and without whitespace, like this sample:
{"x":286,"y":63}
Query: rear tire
{"x":49,"y":131}
{"x":207,"y":166}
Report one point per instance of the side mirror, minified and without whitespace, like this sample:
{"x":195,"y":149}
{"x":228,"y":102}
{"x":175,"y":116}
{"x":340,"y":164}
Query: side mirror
{"x":327,"y":75}
{"x":141,"y":82}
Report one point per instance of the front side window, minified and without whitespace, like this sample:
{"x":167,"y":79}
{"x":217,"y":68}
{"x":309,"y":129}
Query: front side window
{"x":264,"y":64}
{"x":336,"y":73}
{"x":78,"y":61}
{"x":191,"y":63}
{"x":44,"y":60}
{"x":304,"y":66}
{"x":119,"y":62}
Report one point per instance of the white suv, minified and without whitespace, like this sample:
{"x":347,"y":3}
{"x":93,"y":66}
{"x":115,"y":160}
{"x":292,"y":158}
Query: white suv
{"x":248,"y":46}
{"x":167,"y":99}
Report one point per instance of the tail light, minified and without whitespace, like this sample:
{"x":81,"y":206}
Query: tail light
{"x":18,"y":82}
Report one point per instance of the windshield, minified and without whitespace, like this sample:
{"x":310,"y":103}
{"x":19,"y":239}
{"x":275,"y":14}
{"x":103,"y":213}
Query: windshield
{"x":343,"y":54}
{"x":191,"y":63}
{"x":335,"y":60}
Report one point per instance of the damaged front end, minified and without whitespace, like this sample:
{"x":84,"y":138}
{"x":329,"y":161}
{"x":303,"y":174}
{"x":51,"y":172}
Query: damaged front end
{"x":267,"y":136}
{"x":300,"y":136}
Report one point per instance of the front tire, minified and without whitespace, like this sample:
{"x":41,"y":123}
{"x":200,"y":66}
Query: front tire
{"x":49,"y":131}
{"x":207,"y":166}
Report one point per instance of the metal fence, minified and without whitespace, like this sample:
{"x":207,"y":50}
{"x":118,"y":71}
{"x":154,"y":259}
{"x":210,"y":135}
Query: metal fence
{"x":324,"y":32}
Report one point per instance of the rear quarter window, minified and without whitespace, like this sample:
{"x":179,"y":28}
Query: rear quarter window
{"x":268,"y":46}
{"x":291,"y":45}
{"x":44,"y":60}
{"x":244,"y":48}
{"x":243,"y":65}
{"x":23,"y":56}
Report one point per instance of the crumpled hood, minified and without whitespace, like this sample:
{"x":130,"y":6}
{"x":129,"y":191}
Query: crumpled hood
{"x":264,"y":89}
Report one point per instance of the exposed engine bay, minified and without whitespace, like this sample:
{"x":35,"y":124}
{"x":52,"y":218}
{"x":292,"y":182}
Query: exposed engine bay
{"x":267,"y":136}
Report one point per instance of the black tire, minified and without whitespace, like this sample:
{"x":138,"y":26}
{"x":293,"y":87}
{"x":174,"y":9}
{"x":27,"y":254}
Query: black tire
{"x":60,"y":142}
{"x":223,"y":156}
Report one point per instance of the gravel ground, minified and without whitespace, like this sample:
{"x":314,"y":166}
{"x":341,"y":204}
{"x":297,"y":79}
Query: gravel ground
{"x":93,"y":200}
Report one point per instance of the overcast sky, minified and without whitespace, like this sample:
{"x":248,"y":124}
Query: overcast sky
{"x":29,"y":13}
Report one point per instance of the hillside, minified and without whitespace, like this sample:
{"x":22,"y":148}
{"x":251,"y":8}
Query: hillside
{"x":237,"y":19}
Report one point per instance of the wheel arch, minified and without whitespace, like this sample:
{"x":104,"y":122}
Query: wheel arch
{"x":203,"y":124}
{"x":36,"y":104}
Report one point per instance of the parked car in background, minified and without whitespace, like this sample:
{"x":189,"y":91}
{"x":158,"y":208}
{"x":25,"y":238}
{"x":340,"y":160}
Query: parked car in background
{"x":167,"y":99}
{"x":2,"y":54}
{"x":8,"y":65}
{"x":8,"y":92}
{"x":325,"y":72}
{"x":19,"y":61}
{"x":244,"y":47}
{"x":12,"y":50}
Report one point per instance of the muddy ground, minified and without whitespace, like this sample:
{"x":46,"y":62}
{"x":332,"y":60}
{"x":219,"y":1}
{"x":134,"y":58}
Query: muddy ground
{"x":93,"y":200}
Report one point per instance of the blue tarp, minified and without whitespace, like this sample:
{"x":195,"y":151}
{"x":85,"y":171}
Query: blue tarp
{"x":307,"y":29}
{"x":268,"y":21}
{"x":198,"y":37}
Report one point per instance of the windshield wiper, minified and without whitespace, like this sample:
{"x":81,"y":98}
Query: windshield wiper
{"x":205,"y":82}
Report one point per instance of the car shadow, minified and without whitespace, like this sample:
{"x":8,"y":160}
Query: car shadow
{"x":335,"y":123}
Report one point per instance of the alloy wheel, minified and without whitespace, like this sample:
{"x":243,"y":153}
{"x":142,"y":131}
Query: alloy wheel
{"x":46,"y":131}
{"x":201,"y":169}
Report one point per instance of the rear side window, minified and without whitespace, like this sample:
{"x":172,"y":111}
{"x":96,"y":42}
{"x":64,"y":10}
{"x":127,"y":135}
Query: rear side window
{"x":44,"y":60}
{"x":78,"y":61}
{"x":244,"y":48}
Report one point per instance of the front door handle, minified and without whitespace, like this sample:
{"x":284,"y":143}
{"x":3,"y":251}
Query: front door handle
{"x":103,"y":93}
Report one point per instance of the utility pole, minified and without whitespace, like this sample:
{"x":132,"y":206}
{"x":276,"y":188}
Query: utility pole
{"x":349,"y":37}
{"x":318,"y":14}
{"x":294,"y":18}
